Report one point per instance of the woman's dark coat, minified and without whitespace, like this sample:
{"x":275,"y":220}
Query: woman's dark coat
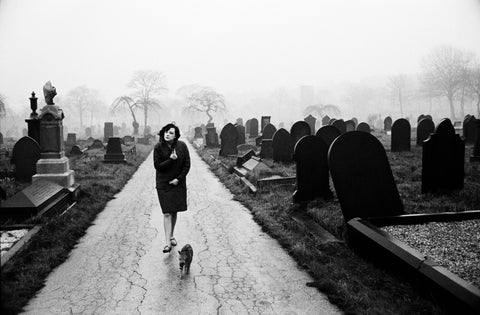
{"x":172,"y":198}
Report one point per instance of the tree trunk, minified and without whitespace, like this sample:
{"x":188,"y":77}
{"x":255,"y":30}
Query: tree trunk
{"x":452,"y":109}
{"x":145,"y":112}
{"x":400,"y":101}
{"x":210,"y":118}
{"x":462,"y":104}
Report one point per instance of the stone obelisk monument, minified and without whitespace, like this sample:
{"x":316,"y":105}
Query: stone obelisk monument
{"x":53,"y":165}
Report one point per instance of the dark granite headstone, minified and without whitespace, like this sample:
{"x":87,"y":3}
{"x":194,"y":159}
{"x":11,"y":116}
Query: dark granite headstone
{"x":282,"y":146}
{"x":268,"y":131}
{"x":254,"y":128}
{"x":387,"y":123}
{"x":107,"y":131}
{"x":114,"y":152}
{"x":443,"y":160}
{"x":33,"y":200}
{"x":266,"y":151}
{"x":325,"y":120}
{"x":469,"y":130}
{"x":420,"y":118}
{"x":424,"y":128}
{"x":76,"y":150}
{"x":1,"y":139}
{"x":328,"y":134}
{"x":401,"y":135}
{"x":265,"y":121}
{"x":310,"y":120}
{"x":350,"y":125}
{"x":362,"y":177}
{"x":298,"y":130}
{"x":96,"y":144}
{"x":312,"y":169}
{"x":364,"y":127}
{"x":331,"y":121}
{"x":340,"y":125}
{"x":211,"y":138}
{"x":475,"y":157}
{"x":241,"y":134}
{"x":198,"y":133}
{"x":71,"y":139}
{"x":25,"y":154}
{"x":229,"y":140}
{"x":247,"y":126}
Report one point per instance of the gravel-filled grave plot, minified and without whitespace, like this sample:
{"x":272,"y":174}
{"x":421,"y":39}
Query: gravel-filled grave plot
{"x":453,"y":245}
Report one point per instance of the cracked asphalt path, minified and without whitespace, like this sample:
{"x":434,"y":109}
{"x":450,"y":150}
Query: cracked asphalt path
{"x":118,"y":267}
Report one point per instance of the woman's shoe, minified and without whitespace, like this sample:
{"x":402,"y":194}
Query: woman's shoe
{"x":173,"y":241}
{"x":167,"y":249}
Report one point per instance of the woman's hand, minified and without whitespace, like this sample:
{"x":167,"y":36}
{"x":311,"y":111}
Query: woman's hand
{"x":173,"y":182}
{"x":173,"y":156}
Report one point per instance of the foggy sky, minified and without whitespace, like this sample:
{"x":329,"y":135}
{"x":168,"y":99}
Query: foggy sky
{"x":229,"y":45}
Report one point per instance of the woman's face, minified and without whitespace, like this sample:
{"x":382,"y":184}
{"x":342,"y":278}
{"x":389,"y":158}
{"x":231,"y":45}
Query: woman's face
{"x":169,"y":135}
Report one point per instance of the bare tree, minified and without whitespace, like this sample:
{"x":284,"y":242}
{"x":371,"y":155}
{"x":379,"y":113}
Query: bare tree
{"x":147,"y":87}
{"x":207,"y":100}
{"x":474,"y":84}
{"x":3,"y":107}
{"x":126,"y":101}
{"x":322,"y":110}
{"x":398,"y":89}
{"x":83,"y":99}
{"x":444,"y":73}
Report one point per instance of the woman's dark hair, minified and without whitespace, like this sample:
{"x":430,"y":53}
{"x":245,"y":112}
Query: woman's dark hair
{"x":165,"y":129}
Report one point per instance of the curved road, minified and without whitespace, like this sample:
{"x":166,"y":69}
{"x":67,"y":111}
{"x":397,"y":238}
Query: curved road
{"x":118,"y":267}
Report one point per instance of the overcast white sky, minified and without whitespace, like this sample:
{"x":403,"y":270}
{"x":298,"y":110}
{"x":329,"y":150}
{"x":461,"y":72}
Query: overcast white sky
{"x":229,"y":45}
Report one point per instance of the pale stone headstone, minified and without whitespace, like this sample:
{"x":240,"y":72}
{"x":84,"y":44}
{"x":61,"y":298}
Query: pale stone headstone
{"x":265,"y":121}
{"x":239,"y":122}
{"x":364,"y":127}
{"x":71,"y":139}
{"x":424,"y":128}
{"x":198,"y":133}
{"x":325,"y":120}
{"x":282,"y":146}
{"x":229,"y":140}
{"x":88,"y":132}
{"x":299,"y":129}
{"x":328,"y":134}
{"x":443,"y":160}
{"x":25,"y":155}
{"x":401,"y":135}
{"x":311,"y":170}
{"x":387,"y":124}
{"x":362,"y":177}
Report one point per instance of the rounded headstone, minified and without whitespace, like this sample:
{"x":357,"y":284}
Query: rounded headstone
{"x":328,"y":134}
{"x":282,"y":146}
{"x":298,"y":130}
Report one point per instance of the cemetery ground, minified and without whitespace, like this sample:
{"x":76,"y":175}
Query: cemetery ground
{"x":354,"y":284}
{"x":23,"y":275}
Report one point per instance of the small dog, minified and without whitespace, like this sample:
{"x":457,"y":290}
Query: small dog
{"x":185,"y":258}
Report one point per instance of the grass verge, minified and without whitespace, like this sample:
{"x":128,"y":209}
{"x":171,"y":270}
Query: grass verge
{"x":25,"y":273}
{"x":352,"y":283}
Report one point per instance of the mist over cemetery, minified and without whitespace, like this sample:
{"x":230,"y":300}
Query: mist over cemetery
{"x":389,"y":173}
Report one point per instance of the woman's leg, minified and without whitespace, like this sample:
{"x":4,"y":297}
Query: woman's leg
{"x":167,"y":225}
{"x":174,"y":221}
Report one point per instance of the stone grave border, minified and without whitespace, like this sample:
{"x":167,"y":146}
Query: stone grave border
{"x":366,"y":237}
{"x":19,"y":244}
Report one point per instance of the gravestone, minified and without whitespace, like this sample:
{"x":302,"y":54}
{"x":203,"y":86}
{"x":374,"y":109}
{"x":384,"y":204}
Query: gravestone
{"x":265,"y":121}
{"x":424,"y":128}
{"x":97,"y":144}
{"x":247,"y":126}
{"x":331,"y":121}
{"x":310,"y":120}
{"x":328,"y":134}
{"x":420,"y":118}
{"x":298,"y":130}
{"x":429,"y":117}
{"x":198,"y":133}
{"x":469,"y":130}
{"x":241,"y":134}
{"x":76,"y":150}
{"x":124,"y":128}
{"x":282,"y":146}
{"x":387,"y":124}
{"x":229,"y":140}
{"x":475,"y":157}
{"x":355,"y":120}
{"x":114,"y":152}
{"x":401,"y":135}
{"x":88,"y":132}
{"x":71,"y":139}
{"x":325,"y":120}
{"x":245,"y":157}
{"x":128,"y":139}
{"x":310,"y":154}
{"x":281,"y":125}
{"x":239,"y":122}
{"x":266,"y":151}
{"x":25,"y":155}
{"x":350,"y":125}
{"x":116,"y":131}
{"x":443,"y":160}
{"x":268,"y":131}
{"x":107,"y":131}
{"x":211,"y":138}
{"x":254,"y":128}
{"x":364,"y":127}
{"x":1,"y":139}
{"x":362,"y":177}
{"x":340,"y":125}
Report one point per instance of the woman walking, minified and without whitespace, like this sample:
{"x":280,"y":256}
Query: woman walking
{"x":172,"y":163}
